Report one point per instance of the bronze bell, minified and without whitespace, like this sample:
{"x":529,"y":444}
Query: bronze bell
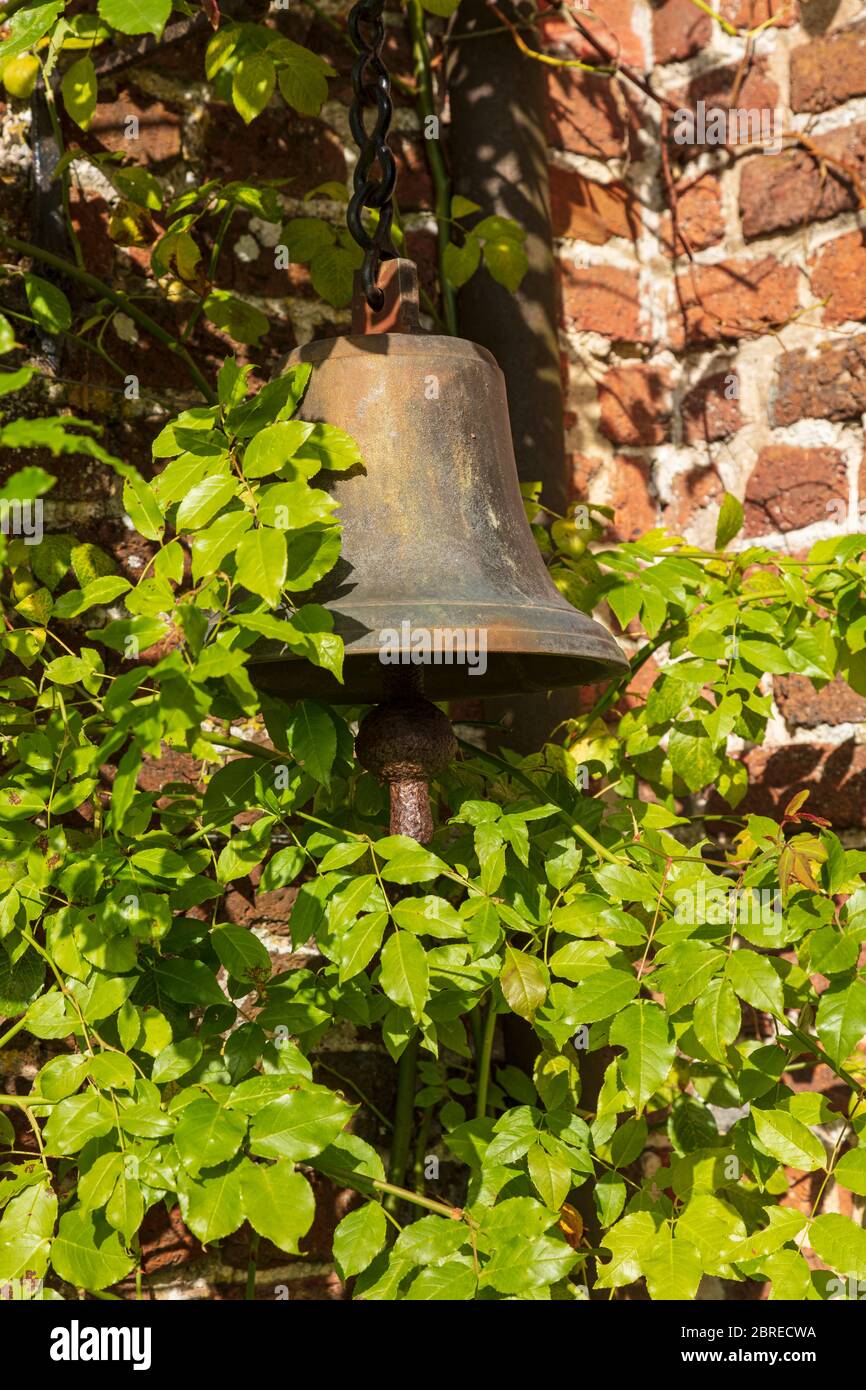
{"x":438,"y":560}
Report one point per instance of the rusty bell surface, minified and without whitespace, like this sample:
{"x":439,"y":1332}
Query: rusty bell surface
{"x":438,"y":560}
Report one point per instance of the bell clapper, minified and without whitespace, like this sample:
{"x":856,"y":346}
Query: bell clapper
{"x":405,"y":741}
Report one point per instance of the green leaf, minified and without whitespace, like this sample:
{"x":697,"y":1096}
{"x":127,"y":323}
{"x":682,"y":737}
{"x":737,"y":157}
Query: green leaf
{"x":87,"y":1253}
{"x":840,"y":1244}
{"x":841,"y":1020}
{"x":714,"y":1229}
{"x":717,"y":1018}
{"x":730,"y":520}
{"x":26,"y":1231}
{"x":253,"y":85}
{"x":405,"y":975}
{"x":222,"y":537}
{"x":355,"y":948}
{"x":506,"y":261}
{"x":304,"y":236}
{"x":207,"y":1134}
{"x":850,"y":1171}
{"x":524,"y":982}
{"x":241,"y":321}
{"x":551,"y":1176}
{"x":275,"y":446}
{"x":789,"y":1140}
{"x":188,"y":981}
{"x":241,"y":952}
{"x":299,"y":1125}
{"x":313,"y":740}
{"x":79,"y":91}
{"x":278,"y":1203}
{"x":76,"y":1120}
{"x":176,"y":1059}
{"x":359,"y":1238}
{"x":48,"y":305}
{"x":124,"y":1210}
{"x":213,"y":1207}
{"x":520,"y":1265}
{"x":204,"y":500}
{"x":692,"y":756}
{"x":673,"y":1269}
{"x":135,"y":17}
{"x":603,"y":995}
{"x":462,"y":207}
{"x":261,"y":563}
{"x":302,"y":77}
{"x":644,"y":1031}
{"x":753,"y":978}
{"x":28,"y":26}
{"x":454,"y":1281}
{"x":332,"y":272}
{"x":461,"y":262}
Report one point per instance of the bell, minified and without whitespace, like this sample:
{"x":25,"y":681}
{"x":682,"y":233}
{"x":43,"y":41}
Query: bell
{"x":439,"y":573}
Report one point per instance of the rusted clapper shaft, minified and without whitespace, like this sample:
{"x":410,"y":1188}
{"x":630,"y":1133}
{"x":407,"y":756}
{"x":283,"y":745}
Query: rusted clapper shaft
{"x":405,"y":740}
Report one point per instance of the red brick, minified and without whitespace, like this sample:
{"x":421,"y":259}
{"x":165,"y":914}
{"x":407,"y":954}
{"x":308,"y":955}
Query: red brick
{"x":838,"y":275}
{"x":802,"y":706}
{"x":611,"y":21}
{"x":603,"y":299}
{"x":734,"y":299}
{"x":636,"y":405}
{"x":778,"y":192}
{"x":789,"y":488}
{"x":278,"y":142}
{"x":635,"y":511}
{"x":747,"y":14}
{"x":828,"y":70}
{"x":589,"y":211}
{"x":158,"y":139}
{"x":830,"y":385}
{"x":716,"y":88}
{"x":834,"y":775}
{"x":709,"y":413}
{"x":694,"y":494}
{"x":680,"y":29}
{"x":585,"y":115}
{"x":699,"y":214}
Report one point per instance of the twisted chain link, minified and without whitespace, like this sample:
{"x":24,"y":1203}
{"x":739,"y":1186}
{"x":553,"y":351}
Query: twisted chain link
{"x":372,"y":88}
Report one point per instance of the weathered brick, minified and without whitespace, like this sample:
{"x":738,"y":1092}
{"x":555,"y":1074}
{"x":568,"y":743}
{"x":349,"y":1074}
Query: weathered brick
{"x":833,"y":774}
{"x":635,"y":510}
{"x":603,"y":299}
{"x":636,"y":405}
{"x":699,"y":214}
{"x":590,"y":211}
{"x":828,"y":70}
{"x":747,"y":14}
{"x":831,"y":384}
{"x":838,"y":274}
{"x":754,"y":100}
{"x":158,"y":140}
{"x":734,"y":299}
{"x":680,"y":29}
{"x":709,"y":411}
{"x":585,"y":115}
{"x":778,"y":192}
{"x":613,"y":23}
{"x":790,"y":488}
{"x":696,"y":493}
{"x":804,"y":707}
{"x":279,"y":140}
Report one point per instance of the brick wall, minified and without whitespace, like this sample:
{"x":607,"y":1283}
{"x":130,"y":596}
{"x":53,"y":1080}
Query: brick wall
{"x":738,"y":363}
{"x":733,"y":356}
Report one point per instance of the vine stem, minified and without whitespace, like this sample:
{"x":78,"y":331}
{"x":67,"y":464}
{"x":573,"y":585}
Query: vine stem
{"x":404,"y":1110}
{"x":483,"y":1079}
{"x":36,"y":253}
{"x":433,"y":150}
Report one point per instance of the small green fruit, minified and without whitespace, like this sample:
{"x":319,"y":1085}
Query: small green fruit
{"x":19,"y":76}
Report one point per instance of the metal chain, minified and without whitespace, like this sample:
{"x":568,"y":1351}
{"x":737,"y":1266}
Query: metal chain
{"x":372,"y":88}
